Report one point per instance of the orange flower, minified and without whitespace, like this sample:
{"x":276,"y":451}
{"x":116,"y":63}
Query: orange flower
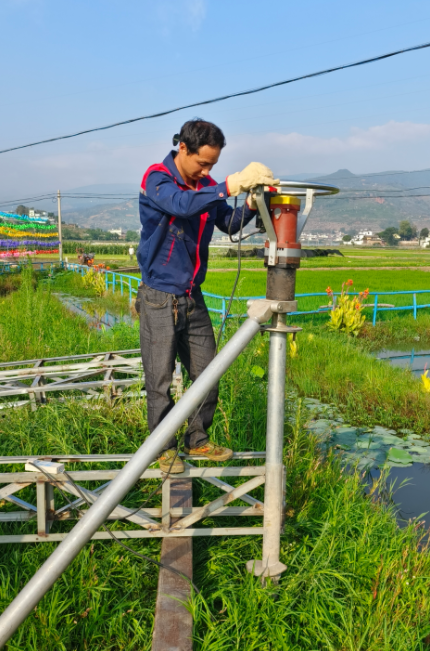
{"x":366,"y":293}
{"x":329,"y":290}
{"x":349,"y":283}
{"x":357,"y":306}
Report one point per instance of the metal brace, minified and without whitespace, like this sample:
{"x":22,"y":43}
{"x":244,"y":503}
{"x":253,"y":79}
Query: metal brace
{"x":301,"y":222}
{"x":270,"y":231}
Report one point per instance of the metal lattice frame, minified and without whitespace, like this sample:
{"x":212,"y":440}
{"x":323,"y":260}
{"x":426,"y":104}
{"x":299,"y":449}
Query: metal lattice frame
{"x":36,"y":378}
{"x":153,"y":522}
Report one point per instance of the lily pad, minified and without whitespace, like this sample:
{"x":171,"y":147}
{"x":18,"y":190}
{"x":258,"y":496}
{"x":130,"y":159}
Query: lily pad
{"x":368,"y":445}
{"x":420,"y":444}
{"x":346,"y":429}
{"x":392,"y":464}
{"x":383,"y":430}
{"x":399,"y":456}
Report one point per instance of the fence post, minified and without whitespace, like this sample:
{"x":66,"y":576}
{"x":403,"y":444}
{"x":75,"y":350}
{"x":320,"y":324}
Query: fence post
{"x":122,"y":288}
{"x":223,"y":310}
{"x":113,"y":282}
{"x":130,"y":296}
{"x":375,"y":310}
{"x":415,"y":306}
{"x":107,"y":281}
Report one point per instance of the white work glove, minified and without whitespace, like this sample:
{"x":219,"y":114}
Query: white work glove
{"x":251,"y":202}
{"x":254,"y":174}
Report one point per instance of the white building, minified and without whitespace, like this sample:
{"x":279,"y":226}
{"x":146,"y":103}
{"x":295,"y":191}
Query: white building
{"x":116,"y":231}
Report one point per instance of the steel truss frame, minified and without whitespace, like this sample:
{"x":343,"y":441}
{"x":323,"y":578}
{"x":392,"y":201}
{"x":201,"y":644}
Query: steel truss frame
{"x":155,"y":522}
{"x":119,"y":369}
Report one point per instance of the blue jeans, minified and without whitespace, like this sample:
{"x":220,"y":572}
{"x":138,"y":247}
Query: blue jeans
{"x":170,"y":326}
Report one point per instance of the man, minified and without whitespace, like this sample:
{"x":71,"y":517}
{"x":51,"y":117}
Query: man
{"x":131,"y":251}
{"x":180,"y":205}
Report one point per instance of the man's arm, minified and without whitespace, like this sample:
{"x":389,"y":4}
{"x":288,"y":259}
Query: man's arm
{"x":224,"y":213}
{"x":163,"y":191}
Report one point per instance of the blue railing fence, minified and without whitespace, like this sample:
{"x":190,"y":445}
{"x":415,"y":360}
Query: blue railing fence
{"x":309,"y":303}
{"x":407,"y":300}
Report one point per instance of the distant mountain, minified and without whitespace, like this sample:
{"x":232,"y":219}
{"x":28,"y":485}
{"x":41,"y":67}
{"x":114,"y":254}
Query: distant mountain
{"x":372,"y":200}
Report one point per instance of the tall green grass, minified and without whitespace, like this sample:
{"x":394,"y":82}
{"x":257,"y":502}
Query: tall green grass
{"x":354,"y":581}
{"x":34,"y":324}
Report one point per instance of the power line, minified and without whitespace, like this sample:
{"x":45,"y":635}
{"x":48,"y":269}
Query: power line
{"x":224,"y":97}
{"x":383,"y":196}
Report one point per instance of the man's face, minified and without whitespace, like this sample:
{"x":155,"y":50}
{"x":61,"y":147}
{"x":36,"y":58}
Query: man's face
{"x":197,"y":166}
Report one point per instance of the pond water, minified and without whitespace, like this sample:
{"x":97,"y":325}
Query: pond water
{"x":96,"y":317}
{"x":412,"y":499}
{"x":415,"y":359}
{"x":403,"y":453}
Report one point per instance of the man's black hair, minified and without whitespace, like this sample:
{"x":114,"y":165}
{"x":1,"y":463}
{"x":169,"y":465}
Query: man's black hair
{"x":197,"y":133}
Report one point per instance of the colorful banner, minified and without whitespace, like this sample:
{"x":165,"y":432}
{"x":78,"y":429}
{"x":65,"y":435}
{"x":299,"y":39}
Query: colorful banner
{"x":9,"y":232}
{"x":13,"y":244}
{"x":34,"y":225}
{"x":24,"y":217}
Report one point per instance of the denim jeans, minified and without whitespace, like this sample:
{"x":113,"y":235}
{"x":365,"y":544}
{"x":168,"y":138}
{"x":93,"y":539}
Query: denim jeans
{"x":170,"y":326}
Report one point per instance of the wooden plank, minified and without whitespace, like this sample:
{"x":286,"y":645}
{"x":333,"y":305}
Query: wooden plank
{"x":173,"y":624}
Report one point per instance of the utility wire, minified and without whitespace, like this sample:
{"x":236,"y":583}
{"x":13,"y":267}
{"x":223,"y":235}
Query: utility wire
{"x":225,"y":97}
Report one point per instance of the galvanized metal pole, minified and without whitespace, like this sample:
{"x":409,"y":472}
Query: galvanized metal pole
{"x":275,"y":442}
{"x":274,"y":489}
{"x":60,"y":233}
{"x":37,"y":587}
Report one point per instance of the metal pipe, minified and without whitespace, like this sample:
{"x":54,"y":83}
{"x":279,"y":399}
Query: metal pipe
{"x":61,"y":558}
{"x":275,"y":441}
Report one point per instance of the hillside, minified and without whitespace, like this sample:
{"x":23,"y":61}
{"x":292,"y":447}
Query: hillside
{"x":348,"y":209}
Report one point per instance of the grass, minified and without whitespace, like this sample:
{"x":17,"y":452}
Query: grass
{"x":369,"y":391}
{"x":354,"y":580}
{"x":34,"y":324}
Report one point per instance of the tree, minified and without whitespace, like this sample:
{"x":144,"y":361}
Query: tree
{"x":131,"y":236}
{"x":424,"y":232}
{"x":407,"y":231}
{"x":346,"y":238}
{"x":21,"y":210}
{"x":388,"y":236}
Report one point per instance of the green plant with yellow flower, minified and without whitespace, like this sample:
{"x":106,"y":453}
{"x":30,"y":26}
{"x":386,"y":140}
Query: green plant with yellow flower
{"x":346,"y":314}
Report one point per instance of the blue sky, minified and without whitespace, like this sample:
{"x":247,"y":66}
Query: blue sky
{"x":69,"y":66}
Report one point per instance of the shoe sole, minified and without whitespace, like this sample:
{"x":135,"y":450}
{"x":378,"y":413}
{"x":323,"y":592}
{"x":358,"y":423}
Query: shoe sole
{"x":210,"y":457}
{"x":172,"y":471}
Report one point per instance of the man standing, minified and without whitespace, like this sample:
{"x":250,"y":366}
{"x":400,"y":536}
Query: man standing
{"x":131,"y":251}
{"x":180,"y":205}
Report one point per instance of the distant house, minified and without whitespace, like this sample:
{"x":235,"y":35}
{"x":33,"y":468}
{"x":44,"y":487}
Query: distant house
{"x":366,"y":237}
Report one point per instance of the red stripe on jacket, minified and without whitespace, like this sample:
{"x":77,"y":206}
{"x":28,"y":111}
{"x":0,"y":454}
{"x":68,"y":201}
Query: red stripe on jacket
{"x":159,"y":167}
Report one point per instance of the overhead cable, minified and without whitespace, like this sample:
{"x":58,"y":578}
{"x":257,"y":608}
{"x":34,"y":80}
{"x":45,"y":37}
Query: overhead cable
{"x":224,"y":97}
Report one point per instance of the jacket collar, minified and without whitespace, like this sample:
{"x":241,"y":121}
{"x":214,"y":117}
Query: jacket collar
{"x":169,"y":162}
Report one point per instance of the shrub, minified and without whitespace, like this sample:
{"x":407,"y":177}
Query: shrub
{"x":346,"y":313}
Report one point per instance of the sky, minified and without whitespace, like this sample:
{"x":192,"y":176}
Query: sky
{"x":77,"y":65}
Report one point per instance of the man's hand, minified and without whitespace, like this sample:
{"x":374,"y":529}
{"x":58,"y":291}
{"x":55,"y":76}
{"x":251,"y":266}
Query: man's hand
{"x":254,"y":174}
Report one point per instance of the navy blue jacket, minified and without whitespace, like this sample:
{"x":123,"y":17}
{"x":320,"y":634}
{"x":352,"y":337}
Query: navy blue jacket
{"x":177,"y":226}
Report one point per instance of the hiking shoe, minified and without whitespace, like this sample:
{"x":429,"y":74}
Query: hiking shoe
{"x":211,"y":451}
{"x":169,"y":466}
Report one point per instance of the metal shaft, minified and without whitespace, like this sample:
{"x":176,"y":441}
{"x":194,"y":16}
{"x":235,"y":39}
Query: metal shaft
{"x":60,"y":233}
{"x":37,"y":587}
{"x":274,"y":446}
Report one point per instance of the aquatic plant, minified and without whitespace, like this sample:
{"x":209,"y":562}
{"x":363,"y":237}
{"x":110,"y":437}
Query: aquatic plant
{"x":95,"y":280}
{"x":346,"y":313}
